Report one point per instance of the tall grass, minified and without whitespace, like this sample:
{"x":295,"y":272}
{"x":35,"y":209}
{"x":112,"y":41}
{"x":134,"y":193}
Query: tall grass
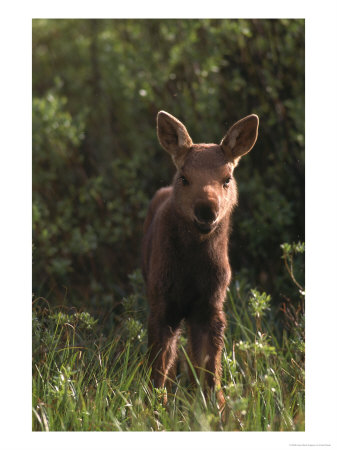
{"x":86,"y":381}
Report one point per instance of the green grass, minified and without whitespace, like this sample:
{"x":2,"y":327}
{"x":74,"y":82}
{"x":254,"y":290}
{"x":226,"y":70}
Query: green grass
{"x":86,"y":381}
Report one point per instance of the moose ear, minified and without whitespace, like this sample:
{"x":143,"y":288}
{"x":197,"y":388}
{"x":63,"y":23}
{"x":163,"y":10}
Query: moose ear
{"x":241,"y":137}
{"x":173,"y":137}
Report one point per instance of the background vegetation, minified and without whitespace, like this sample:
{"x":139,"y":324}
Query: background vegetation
{"x":97,"y":87}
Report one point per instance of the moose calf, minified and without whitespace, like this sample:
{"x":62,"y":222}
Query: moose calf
{"x":185,"y":248}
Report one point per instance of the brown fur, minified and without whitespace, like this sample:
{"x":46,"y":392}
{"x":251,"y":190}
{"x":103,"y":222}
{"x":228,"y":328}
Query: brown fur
{"x":185,"y":248}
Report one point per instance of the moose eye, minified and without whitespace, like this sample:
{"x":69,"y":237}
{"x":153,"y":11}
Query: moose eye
{"x":226,"y":182}
{"x":184,"y":181}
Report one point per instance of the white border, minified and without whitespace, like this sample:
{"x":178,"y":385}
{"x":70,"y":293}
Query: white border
{"x":321,"y":223}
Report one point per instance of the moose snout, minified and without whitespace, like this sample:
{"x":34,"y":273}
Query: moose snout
{"x":205,"y":213}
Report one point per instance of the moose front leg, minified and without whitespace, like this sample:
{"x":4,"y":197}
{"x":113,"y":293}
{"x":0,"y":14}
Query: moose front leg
{"x":162,"y":340}
{"x":206,"y":345}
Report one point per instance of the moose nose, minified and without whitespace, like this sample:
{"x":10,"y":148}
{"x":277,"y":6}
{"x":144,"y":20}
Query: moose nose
{"x":205,"y":212}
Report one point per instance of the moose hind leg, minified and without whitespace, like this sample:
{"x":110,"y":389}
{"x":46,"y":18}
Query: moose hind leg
{"x":206,"y":345}
{"x":163,"y":351}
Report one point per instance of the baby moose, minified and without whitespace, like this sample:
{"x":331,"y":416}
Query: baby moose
{"x":185,"y":256}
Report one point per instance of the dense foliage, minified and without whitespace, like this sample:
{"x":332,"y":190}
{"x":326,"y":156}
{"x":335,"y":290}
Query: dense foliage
{"x":97,"y":86}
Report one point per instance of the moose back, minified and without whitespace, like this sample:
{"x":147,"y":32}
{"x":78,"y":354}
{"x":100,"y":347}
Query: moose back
{"x":185,"y":248}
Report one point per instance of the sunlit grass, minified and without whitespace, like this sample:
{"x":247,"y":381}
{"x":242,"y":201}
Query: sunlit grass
{"x":85,"y":381}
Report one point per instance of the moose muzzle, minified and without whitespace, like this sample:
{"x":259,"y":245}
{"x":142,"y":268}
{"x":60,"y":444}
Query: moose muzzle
{"x":205,"y":214}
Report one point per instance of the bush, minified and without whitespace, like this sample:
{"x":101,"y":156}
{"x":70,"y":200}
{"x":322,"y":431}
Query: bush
{"x":97,"y":87}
